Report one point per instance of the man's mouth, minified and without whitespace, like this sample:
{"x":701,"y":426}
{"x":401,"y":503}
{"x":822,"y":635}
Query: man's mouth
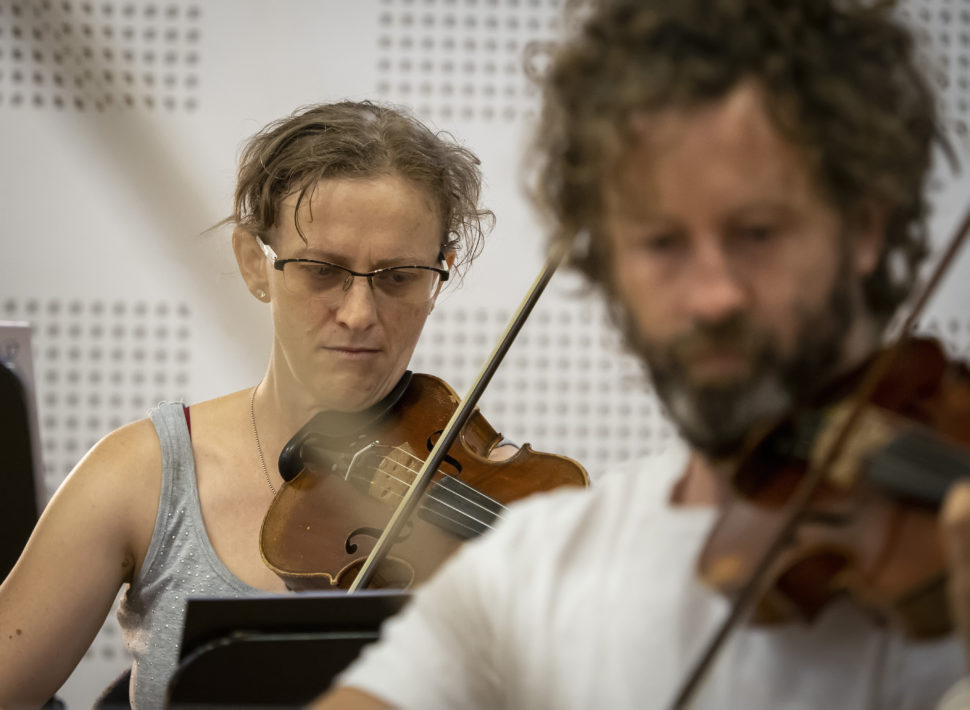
{"x":718,"y":364}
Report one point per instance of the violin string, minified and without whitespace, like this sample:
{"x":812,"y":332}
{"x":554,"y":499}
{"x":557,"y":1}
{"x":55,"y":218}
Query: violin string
{"x":439,"y":500}
{"x":411,"y":470}
{"x":459,"y":514}
{"x":430,"y":494}
{"x":454,"y":479}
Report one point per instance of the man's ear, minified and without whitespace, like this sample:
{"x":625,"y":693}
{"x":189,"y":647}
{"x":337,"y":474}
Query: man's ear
{"x":869,"y":220}
{"x":252,"y":263}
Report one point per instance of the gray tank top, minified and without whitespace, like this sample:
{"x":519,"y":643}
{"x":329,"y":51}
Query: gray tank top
{"x":180,"y":563}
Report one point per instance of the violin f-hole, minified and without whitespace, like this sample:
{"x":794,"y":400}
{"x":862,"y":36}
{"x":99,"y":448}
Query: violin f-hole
{"x":432,"y":439}
{"x":351,"y":547}
{"x":392,"y":573}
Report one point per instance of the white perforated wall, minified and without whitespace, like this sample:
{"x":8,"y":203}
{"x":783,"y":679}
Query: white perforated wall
{"x":119,"y":127}
{"x":945,"y":33}
{"x":100,"y":55}
{"x":101,"y":365}
{"x":464,"y":59}
{"x":566,"y":386}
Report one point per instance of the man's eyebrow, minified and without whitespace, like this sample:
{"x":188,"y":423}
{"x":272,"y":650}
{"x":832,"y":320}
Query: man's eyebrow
{"x":638,"y":212}
{"x":760,"y":207}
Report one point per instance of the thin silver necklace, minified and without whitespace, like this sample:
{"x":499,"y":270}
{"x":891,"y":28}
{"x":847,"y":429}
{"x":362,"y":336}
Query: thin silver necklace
{"x":259,"y":448}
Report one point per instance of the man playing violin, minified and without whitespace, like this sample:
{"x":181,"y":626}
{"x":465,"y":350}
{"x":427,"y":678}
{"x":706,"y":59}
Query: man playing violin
{"x":744,"y":181}
{"x":348,"y":218}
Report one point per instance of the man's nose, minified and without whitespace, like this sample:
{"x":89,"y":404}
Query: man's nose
{"x":357,"y":308}
{"x":716,"y":289}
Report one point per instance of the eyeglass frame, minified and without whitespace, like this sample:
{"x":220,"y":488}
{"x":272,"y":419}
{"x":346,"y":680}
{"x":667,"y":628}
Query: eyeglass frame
{"x":278,"y":264}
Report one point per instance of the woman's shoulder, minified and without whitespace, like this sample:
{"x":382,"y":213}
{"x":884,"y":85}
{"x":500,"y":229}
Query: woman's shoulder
{"x":128,"y":460}
{"x":124,"y":471}
{"x":214,"y":414}
{"x":130,"y":448}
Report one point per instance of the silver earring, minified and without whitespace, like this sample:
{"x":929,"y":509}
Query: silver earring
{"x":260,"y":294}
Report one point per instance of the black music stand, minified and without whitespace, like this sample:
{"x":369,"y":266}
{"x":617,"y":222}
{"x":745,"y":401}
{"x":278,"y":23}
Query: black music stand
{"x":21,"y":474}
{"x":276,"y":651}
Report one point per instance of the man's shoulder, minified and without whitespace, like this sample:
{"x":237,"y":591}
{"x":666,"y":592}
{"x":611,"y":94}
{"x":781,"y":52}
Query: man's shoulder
{"x":636,"y":485}
{"x":653,"y":473}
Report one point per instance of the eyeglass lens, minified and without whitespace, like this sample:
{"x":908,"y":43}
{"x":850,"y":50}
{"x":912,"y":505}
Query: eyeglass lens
{"x":403,"y":284}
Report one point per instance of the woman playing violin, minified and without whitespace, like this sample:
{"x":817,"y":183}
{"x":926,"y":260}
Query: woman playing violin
{"x":349,"y":218}
{"x":750,"y":179}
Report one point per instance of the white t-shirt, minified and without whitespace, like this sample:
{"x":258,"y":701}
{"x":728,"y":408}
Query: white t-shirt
{"x":589,"y":599}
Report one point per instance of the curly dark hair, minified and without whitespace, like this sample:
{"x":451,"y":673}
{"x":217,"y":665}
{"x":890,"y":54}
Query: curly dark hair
{"x":840,"y":79}
{"x":359,"y":140}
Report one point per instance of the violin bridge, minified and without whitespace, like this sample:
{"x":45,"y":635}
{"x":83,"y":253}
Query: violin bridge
{"x":384,"y":472}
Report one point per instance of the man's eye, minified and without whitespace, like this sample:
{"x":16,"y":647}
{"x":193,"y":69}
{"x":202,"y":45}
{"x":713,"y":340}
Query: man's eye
{"x":660,"y":243}
{"x":758,"y":233}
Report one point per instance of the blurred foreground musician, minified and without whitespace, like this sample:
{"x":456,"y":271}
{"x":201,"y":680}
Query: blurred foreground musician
{"x":750,"y":175}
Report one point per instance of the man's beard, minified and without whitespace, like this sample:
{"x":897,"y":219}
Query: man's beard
{"x":715,"y":418}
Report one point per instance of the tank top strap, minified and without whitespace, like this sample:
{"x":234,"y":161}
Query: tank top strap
{"x":179,"y":488}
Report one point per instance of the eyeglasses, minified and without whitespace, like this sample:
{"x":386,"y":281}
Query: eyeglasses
{"x":310,"y":278}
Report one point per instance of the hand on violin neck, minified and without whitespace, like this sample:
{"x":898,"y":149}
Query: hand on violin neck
{"x":955,"y":524}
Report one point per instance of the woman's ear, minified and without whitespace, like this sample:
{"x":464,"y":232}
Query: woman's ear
{"x":449,"y":257}
{"x":252,"y":262}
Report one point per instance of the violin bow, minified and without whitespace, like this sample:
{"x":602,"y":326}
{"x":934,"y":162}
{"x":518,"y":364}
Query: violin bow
{"x":461,"y":415}
{"x":798,"y":505}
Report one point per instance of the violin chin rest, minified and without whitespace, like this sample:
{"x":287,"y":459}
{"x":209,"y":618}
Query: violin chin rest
{"x":290,"y":462}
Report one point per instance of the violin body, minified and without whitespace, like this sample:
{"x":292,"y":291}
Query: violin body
{"x":888,"y":557}
{"x":325,"y":519}
{"x":871,"y":530}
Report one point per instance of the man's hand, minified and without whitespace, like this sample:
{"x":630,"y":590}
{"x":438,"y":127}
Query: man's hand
{"x":343,"y":698}
{"x":955,"y":523}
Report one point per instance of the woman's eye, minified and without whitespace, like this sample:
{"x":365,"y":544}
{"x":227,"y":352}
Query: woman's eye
{"x":322,"y":272}
{"x":320,"y":275}
{"x":399,"y":276}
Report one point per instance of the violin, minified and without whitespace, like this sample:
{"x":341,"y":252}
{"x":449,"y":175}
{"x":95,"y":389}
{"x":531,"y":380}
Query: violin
{"x":345,"y":473}
{"x":870,"y":531}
